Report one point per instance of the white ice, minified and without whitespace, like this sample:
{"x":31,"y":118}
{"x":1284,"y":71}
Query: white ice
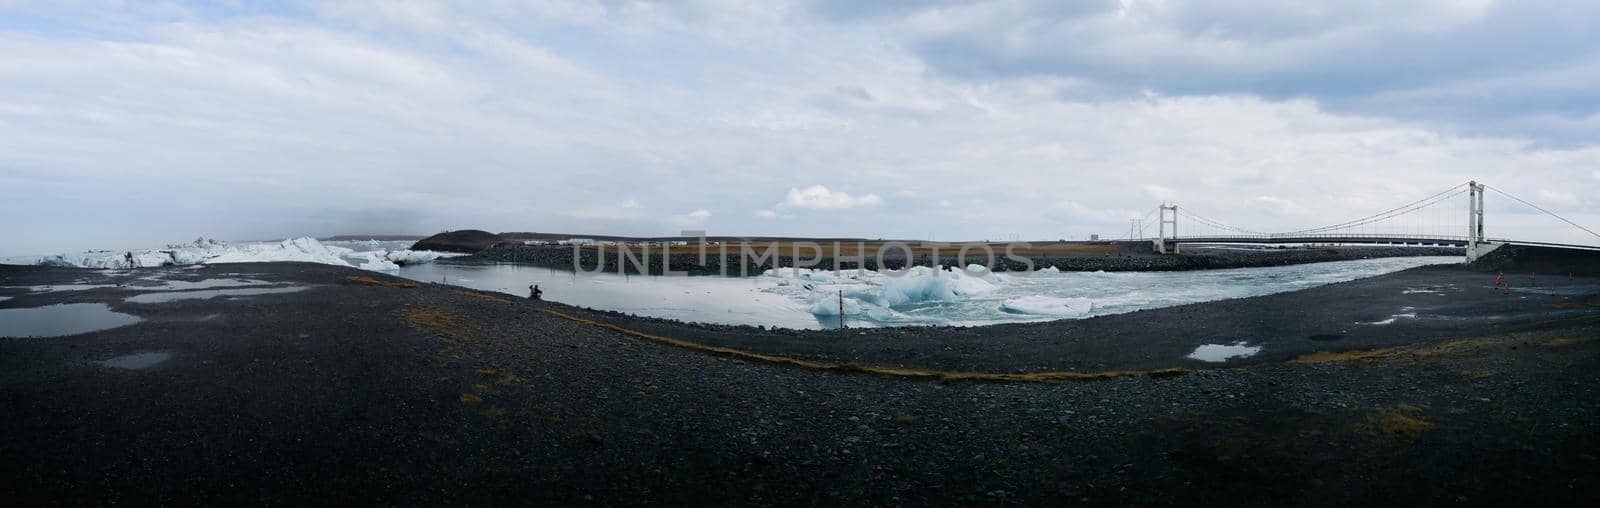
{"x":1223,"y":352}
{"x":1049,"y":306}
{"x":1392,"y":319}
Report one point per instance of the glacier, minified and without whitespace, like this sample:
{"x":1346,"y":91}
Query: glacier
{"x":209,"y":251}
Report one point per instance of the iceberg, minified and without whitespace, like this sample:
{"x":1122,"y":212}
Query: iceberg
{"x":873,"y":294}
{"x":299,"y":249}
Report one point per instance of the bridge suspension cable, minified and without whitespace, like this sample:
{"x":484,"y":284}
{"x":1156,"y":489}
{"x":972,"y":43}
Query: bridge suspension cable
{"x":1218,"y":224}
{"x":1547,"y":212}
{"x":1144,"y":221}
{"x":1388,"y":214}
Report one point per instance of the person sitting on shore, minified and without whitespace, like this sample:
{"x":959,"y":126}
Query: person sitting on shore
{"x":534,"y":293}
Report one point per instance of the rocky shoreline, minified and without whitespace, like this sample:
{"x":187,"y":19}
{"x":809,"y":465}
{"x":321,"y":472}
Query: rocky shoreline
{"x":1129,"y":257}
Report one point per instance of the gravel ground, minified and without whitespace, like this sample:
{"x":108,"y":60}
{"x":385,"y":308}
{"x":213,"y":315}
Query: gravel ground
{"x":371,"y":389}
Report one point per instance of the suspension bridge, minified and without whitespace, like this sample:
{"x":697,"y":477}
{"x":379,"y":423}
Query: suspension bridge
{"x":1436,"y":220}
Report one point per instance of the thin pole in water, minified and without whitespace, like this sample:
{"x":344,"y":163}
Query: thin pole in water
{"x":841,"y":309}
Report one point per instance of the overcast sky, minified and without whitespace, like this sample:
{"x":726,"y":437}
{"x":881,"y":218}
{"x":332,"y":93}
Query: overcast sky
{"x":130,"y":124}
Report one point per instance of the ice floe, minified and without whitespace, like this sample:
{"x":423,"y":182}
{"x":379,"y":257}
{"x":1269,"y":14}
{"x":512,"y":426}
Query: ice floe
{"x":1049,"y":306}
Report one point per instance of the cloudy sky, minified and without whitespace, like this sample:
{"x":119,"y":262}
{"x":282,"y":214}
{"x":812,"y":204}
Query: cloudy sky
{"x":130,"y":124}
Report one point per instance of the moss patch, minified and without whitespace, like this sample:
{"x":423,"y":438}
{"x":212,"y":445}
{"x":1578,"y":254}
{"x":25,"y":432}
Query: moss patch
{"x":1562,"y":341}
{"x":369,"y":281}
{"x":485,"y":297}
{"x":1454,"y":348}
{"x":1402,"y":423}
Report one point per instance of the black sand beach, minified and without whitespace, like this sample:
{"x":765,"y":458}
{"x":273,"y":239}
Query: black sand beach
{"x":373,"y":389}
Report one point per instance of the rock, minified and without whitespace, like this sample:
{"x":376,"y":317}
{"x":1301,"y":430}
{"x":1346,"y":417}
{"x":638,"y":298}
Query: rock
{"x":470,"y":241}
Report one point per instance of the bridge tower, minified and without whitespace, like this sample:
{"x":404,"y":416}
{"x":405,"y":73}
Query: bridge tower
{"x":1477,"y":244}
{"x":1161,"y":240}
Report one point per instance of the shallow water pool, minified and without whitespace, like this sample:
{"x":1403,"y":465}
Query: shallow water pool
{"x":60,"y":320}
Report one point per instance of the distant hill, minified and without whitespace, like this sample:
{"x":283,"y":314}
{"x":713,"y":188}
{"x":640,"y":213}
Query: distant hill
{"x":466,"y":240}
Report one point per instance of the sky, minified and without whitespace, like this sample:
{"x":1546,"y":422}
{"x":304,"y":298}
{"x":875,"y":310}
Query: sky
{"x":136,"y":124}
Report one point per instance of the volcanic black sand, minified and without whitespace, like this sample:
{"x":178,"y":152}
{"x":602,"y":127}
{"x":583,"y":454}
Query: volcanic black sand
{"x":371,"y":389}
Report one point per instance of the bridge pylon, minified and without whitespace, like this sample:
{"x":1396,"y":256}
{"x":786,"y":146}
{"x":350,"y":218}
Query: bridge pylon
{"x":1477,"y":244}
{"x":1161,"y":239}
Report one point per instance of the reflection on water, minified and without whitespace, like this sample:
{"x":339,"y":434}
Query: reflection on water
{"x":784,"y":301}
{"x":62,"y":319}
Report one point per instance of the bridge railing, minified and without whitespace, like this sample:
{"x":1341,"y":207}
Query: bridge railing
{"x":1311,"y":238}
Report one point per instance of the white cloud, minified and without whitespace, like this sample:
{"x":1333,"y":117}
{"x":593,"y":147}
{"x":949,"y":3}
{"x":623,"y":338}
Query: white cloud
{"x":698,"y":216}
{"x":1558,"y":198}
{"x":1101,"y":215}
{"x":1273,"y":205}
{"x":423,"y":119}
{"x":1159,"y":192}
{"x":818,"y":197}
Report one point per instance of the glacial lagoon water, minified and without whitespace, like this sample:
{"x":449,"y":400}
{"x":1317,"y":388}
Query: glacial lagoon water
{"x":811,"y":299}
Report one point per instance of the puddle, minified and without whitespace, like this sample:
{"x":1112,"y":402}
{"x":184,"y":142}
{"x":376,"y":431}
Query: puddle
{"x":4,"y":298}
{"x":210,"y":293}
{"x":136,"y":361}
{"x":61,"y":319}
{"x":53,"y":288}
{"x":1222,"y":353}
{"x":183,"y":285}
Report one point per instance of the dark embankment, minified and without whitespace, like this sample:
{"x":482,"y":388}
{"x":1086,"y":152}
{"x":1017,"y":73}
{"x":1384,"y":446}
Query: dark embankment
{"x":466,"y":240}
{"x":1525,"y":259}
{"x":373,"y":390}
{"x":1123,"y":257}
